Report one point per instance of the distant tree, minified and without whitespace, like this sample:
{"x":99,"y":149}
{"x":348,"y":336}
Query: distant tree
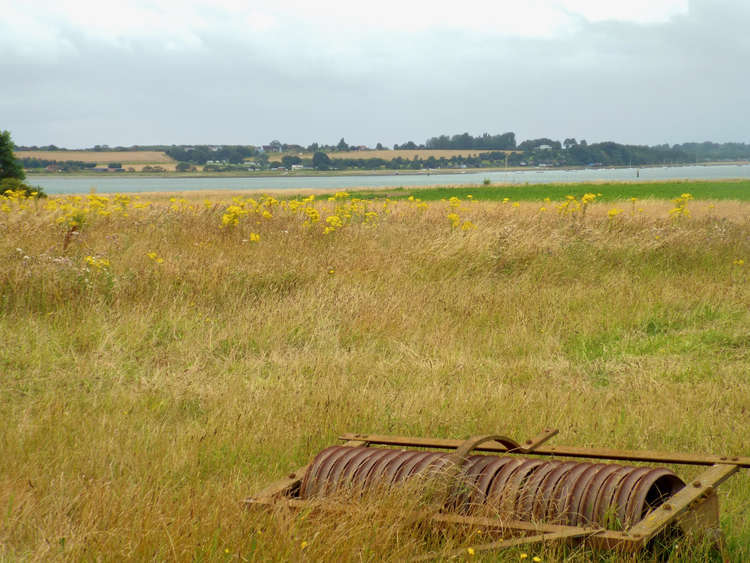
{"x":182,"y":167}
{"x":570,"y":142}
{"x":313,"y":148}
{"x":9,"y":166}
{"x":114,"y":165}
{"x":321,"y":161}
{"x":409,"y":145}
{"x":379,"y":147}
{"x":342,"y":146}
{"x":532,"y":144}
{"x":287,"y":161}
{"x":11,"y":171}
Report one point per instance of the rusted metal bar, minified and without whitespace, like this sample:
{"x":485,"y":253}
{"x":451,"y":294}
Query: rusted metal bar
{"x":497,"y":524}
{"x":502,"y":544}
{"x":533,"y":443}
{"x":592,"y":535}
{"x":280,"y":488}
{"x":561,"y":451}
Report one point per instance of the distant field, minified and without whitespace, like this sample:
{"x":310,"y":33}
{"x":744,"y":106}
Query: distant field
{"x":386,"y":154}
{"x":125,"y":157}
{"x":738,"y":190}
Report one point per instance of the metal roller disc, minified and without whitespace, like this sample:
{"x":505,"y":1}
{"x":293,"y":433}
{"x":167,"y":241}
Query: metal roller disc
{"x":580,"y":489}
{"x":405,"y":470}
{"x":562,"y":497}
{"x":310,"y":478}
{"x":360,"y":475}
{"x":606,"y":494}
{"x":628,"y":486}
{"x":588,"y":502}
{"x":527,"y":494}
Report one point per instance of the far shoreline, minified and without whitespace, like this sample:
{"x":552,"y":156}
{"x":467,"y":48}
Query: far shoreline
{"x":356,"y":173}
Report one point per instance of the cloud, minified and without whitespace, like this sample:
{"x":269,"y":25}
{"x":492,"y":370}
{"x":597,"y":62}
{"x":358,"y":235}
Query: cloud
{"x":169,"y":72}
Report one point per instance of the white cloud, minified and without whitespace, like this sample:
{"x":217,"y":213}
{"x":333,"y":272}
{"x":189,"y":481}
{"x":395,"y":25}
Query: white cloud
{"x":636,"y":11}
{"x":41,"y":25}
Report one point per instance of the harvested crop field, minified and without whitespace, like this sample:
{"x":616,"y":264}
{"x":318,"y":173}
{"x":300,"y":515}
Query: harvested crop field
{"x":164,"y":359}
{"x":124,"y":157}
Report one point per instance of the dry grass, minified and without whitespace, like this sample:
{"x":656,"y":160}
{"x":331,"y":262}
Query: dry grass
{"x":389,"y":154}
{"x":142,"y":401}
{"x":124,"y":157}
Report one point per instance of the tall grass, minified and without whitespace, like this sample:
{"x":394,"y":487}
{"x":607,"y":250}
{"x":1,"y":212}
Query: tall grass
{"x":142,"y":400}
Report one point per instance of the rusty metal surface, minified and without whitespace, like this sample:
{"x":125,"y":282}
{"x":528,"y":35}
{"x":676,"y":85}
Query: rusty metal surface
{"x":560,"y":492}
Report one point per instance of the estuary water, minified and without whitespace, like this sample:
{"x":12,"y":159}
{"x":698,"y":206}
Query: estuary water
{"x":121,"y":183}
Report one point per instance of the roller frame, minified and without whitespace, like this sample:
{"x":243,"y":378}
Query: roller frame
{"x":694,"y":509}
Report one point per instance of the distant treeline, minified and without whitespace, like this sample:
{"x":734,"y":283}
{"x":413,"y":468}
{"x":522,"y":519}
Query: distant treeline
{"x":532,"y":152}
{"x":485,"y":159}
{"x":63,"y":165}
{"x":234,"y":154}
{"x":506,"y":141}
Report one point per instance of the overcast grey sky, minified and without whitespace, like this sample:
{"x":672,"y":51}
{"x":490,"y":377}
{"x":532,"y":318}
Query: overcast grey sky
{"x":81,"y":72}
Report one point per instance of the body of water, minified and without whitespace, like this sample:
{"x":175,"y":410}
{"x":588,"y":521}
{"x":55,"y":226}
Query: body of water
{"x":121,"y":183}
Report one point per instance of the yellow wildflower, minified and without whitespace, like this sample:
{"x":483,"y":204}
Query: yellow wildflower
{"x":471,"y":551}
{"x":98,"y":263}
{"x":155,"y":257}
{"x":334,"y":221}
{"x":588,"y":198}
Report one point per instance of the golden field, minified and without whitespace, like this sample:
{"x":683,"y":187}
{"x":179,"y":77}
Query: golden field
{"x":388,"y":154}
{"x":104,"y":157}
{"x":162,"y":360}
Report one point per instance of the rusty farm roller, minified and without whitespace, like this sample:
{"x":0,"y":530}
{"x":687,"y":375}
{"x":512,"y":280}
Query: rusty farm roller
{"x":529,"y":493}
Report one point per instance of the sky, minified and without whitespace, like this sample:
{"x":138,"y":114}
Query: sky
{"x":80,"y":73}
